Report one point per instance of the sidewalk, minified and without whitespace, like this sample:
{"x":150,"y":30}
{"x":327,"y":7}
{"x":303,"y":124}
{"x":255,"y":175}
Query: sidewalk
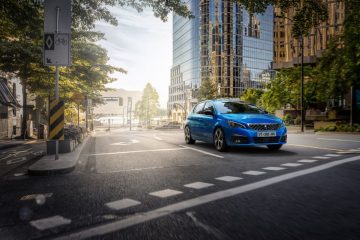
{"x":66,"y":163}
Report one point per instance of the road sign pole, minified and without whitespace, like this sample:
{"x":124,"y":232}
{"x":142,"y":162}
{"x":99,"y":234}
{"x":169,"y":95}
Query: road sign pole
{"x":57,"y":98}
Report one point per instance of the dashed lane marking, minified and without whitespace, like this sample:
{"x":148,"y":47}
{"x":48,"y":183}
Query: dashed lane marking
{"x":321,"y":157}
{"x":228,"y":178}
{"x":291,"y":164}
{"x":138,"y":218}
{"x":253,"y":173}
{"x":121,"y":204}
{"x":344,"y":152}
{"x":34,"y":196}
{"x":337,"y":139}
{"x":158,"y":138}
{"x":307,"y":160}
{"x":165,"y":193}
{"x":306,"y":146}
{"x":204,"y":152}
{"x":274,"y":168}
{"x":198,"y":185}
{"x":139,"y":151}
{"x":51,"y":222}
{"x":332,"y":155}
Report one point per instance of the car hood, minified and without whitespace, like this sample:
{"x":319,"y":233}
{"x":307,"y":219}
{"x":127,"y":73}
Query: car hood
{"x":252,"y":118}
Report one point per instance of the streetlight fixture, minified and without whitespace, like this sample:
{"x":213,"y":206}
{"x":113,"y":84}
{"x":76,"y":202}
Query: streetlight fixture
{"x":301,"y":41}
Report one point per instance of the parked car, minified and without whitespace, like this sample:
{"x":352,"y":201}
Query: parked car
{"x":233,"y":123}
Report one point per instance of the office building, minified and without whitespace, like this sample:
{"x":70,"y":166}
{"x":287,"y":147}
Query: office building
{"x":223,"y":43}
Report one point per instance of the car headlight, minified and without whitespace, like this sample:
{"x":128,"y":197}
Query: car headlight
{"x":236,"y":125}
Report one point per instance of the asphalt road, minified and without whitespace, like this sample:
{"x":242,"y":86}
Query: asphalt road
{"x":150,"y":185}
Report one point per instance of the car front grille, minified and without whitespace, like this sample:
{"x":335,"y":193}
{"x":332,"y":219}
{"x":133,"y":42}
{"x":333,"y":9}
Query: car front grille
{"x":265,"y":126}
{"x":266,"y":139}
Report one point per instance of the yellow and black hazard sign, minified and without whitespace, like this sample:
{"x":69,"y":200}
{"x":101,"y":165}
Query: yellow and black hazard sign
{"x":56,"y":120}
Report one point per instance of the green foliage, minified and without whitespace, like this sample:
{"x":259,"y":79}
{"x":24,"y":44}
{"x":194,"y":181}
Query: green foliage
{"x":207,"y":90}
{"x":288,"y":119}
{"x":252,"y":95}
{"x":339,"y":66}
{"x":340,"y":127}
{"x":285,"y":90}
{"x":148,"y":107}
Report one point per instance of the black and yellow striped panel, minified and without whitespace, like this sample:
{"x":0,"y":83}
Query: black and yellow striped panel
{"x":56,"y":120}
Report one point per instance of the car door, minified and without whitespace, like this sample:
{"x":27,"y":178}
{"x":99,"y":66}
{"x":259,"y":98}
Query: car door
{"x":208,"y":121}
{"x":194,"y":119}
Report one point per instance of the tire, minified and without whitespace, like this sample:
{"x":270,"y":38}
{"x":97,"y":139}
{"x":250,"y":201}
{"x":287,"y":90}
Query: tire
{"x":274,"y":147}
{"x":188,"y":138}
{"x":219,"y":140}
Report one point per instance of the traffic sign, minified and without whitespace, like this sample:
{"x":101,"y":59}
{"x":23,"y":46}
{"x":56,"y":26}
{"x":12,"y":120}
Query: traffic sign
{"x":57,"y":29}
{"x":57,"y":49}
{"x":57,"y":16}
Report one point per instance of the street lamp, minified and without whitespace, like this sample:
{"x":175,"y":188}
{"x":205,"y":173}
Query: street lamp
{"x":301,"y":41}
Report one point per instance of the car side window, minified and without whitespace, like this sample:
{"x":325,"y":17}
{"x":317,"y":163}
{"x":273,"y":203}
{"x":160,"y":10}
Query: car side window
{"x":199,"y":108}
{"x":209,"y":107}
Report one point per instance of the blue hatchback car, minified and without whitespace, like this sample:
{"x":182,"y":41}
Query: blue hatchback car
{"x":232,"y":123}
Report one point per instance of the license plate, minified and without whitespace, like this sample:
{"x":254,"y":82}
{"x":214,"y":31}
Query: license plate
{"x":266,"y":134}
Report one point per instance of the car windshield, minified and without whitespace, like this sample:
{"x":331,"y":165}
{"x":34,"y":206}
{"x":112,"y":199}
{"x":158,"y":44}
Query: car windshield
{"x":236,"y":108}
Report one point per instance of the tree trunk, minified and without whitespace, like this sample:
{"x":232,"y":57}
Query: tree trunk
{"x":24,"y":134}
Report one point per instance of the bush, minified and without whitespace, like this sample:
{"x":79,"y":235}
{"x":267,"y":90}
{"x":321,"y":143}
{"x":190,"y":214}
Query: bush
{"x":297,"y":120}
{"x":288,"y":119}
{"x":340,"y":127}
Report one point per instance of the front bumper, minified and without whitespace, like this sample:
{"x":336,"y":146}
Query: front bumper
{"x":248,"y":137}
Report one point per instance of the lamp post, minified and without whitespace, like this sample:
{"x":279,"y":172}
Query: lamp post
{"x":301,"y":41}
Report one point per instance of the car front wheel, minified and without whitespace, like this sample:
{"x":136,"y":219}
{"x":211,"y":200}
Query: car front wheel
{"x":219,"y":140}
{"x":188,"y":138}
{"x":274,"y":147}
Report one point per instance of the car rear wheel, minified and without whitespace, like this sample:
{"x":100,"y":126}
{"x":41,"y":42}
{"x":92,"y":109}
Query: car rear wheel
{"x":188,"y":138}
{"x":219,"y":140}
{"x":274,"y":147}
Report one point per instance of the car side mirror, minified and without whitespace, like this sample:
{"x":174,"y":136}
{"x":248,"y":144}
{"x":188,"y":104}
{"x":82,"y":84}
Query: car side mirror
{"x":209,"y":113}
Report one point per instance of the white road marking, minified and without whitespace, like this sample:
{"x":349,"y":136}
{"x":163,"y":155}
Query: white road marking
{"x":138,"y":218}
{"x":34,"y":196}
{"x":307,"y":160}
{"x":165,"y":193}
{"x":332,"y":155}
{"x":344,"y":152}
{"x":139,"y":151}
{"x":218,"y":235}
{"x":204,"y":152}
{"x":124,"y":143}
{"x":354,"y":150}
{"x":198,"y":185}
{"x":158,"y":138}
{"x":306,"y":146}
{"x":274,"y":168}
{"x":321,"y":157}
{"x":228,"y":178}
{"x":15,"y":160}
{"x":121,"y":204}
{"x":19,"y":174}
{"x":51,"y":222}
{"x":339,"y":140}
{"x":291,"y":164}
{"x":253,"y":173}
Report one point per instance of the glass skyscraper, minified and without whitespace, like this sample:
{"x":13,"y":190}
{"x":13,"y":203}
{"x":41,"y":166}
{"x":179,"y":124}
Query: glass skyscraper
{"x":223,"y":43}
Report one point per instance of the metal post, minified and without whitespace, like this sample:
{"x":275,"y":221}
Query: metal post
{"x":57,"y":98}
{"x":302,"y":84}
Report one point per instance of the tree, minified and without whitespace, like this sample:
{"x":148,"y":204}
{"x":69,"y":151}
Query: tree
{"x":148,"y":106}
{"x":207,"y":90}
{"x":252,"y":95}
{"x":285,"y":90}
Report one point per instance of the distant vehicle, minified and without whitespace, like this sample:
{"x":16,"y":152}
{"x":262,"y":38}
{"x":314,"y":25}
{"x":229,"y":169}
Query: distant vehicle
{"x":232,"y":123}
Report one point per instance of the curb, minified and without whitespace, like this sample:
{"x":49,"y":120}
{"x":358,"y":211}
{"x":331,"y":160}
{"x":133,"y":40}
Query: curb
{"x":65,"y":164}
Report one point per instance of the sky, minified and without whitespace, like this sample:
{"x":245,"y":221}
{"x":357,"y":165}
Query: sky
{"x":141,"y":44}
